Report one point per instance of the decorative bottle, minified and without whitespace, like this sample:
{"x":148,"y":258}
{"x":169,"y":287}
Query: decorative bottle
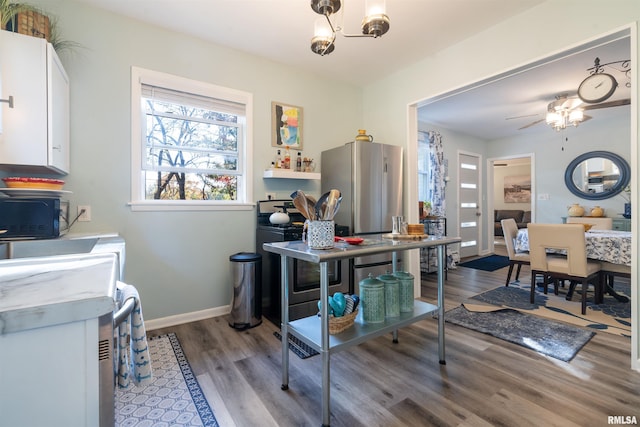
{"x":299,"y":162}
{"x":279,"y":160}
{"x":287,"y":159}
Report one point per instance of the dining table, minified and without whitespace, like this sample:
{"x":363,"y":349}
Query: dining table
{"x":611,"y":246}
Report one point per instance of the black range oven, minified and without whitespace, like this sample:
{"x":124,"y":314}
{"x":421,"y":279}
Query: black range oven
{"x":304,"y":288}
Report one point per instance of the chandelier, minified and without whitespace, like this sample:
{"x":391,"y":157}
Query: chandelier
{"x":374,"y":24}
{"x":564,"y":112}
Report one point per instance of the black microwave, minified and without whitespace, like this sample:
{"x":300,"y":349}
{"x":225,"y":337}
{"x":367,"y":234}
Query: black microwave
{"x":34,"y":218}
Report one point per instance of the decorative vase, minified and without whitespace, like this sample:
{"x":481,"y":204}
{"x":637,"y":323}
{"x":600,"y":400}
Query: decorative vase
{"x":627,"y":210}
{"x":362,"y":136}
{"x":596,"y":211}
{"x":576,"y":210}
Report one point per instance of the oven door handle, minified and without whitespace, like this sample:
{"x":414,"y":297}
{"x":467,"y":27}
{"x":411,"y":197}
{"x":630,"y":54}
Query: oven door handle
{"x":124,"y":311}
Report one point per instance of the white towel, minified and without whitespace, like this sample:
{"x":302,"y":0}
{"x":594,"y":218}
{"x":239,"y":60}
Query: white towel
{"x":134,"y":361}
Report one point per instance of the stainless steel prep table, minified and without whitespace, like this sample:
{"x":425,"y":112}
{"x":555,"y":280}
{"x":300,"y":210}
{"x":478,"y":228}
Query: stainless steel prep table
{"x":314,"y":330}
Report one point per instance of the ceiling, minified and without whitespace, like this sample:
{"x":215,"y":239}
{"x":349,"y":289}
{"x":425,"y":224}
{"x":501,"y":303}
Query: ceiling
{"x":498,"y":108}
{"x":281,"y":30}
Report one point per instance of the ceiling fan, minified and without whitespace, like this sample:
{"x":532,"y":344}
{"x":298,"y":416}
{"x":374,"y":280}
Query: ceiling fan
{"x":565,"y":104}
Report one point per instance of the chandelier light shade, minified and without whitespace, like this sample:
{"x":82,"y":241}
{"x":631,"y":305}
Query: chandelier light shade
{"x":323,"y":37}
{"x":374,"y":24}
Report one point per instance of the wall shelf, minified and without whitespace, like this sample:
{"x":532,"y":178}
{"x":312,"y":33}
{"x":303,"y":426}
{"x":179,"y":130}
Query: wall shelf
{"x":289,"y":174}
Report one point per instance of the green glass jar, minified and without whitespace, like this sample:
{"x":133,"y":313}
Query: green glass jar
{"x":406,"y":291}
{"x":372,"y":300}
{"x":391,"y":295}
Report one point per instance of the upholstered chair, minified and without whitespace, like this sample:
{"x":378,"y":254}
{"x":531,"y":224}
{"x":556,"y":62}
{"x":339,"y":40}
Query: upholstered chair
{"x":510,"y":232}
{"x":574,"y":267}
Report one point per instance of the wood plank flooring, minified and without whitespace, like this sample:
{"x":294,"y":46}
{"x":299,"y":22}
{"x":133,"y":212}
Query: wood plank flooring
{"x":486,"y":381}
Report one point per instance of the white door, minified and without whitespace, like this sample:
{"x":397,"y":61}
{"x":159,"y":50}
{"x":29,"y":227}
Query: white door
{"x":469,"y":204}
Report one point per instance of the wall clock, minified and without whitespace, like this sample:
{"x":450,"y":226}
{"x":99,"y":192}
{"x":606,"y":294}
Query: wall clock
{"x":597,"y":88}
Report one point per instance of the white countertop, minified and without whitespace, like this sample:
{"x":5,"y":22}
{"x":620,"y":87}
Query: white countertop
{"x":40,"y":292}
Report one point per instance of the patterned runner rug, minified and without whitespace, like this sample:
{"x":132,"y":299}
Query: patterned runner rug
{"x":545,"y":336}
{"x":612,"y":316}
{"x":174,"y":396}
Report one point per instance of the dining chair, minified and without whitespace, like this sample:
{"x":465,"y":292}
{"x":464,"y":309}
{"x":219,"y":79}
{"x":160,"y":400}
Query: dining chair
{"x":600,"y":223}
{"x":574,"y":267}
{"x":510,"y":232}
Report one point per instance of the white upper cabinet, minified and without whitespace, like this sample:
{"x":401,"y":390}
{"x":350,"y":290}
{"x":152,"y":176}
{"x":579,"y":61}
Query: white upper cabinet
{"x":34,"y":132}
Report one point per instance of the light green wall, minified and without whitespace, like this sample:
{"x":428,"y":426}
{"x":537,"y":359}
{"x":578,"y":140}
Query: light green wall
{"x":179,"y":261}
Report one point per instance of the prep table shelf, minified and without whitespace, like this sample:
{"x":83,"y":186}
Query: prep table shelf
{"x":314,"y":330}
{"x":309,"y":330}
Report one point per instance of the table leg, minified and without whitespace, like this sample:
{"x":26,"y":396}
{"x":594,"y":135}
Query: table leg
{"x":394,"y":265}
{"x":326,"y":385}
{"x":284,"y":325}
{"x":441,"y":263}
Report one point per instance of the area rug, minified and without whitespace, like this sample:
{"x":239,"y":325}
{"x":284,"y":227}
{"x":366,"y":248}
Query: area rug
{"x":174,"y":396}
{"x":554,"y":339}
{"x":611,"y":316}
{"x":488,"y":263}
{"x":299,"y":348}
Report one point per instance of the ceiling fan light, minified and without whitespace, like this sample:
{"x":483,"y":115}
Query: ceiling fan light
{"x":553,"y":118}
{"x":576,"y":116}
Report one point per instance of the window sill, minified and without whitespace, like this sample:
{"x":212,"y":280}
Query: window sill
{"x":187,"y":205}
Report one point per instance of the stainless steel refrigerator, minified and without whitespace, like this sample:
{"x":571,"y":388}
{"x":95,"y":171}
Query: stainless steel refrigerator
{"x":369,"y":175}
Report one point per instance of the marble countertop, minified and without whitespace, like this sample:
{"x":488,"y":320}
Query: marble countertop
{"x":45,"y":291}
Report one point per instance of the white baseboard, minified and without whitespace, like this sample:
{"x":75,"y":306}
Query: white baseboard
{"x":193,"y":316}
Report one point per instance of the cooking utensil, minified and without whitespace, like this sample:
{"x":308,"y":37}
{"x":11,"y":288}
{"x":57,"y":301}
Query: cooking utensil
{"x":335,"y":210}
{"x":321,"y":205}
{"x":300,"y":202}
{"x":332,"y":200}
{"x":311,"y":206}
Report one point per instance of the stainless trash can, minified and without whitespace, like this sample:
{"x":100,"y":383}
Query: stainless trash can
{"x":246,"y":305}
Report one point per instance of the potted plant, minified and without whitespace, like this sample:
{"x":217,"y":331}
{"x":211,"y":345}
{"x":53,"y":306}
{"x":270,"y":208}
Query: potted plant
{"x":426,"y":208}
{"x":9,"y":10}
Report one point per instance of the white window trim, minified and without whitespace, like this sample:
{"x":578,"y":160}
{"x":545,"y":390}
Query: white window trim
{"x":140,"y":75}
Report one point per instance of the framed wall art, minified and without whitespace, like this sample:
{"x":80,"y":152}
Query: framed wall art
{"x":517,"y":189}
{"x":286,"y":129}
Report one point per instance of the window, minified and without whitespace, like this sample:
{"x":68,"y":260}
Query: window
{"x":191,"y":144}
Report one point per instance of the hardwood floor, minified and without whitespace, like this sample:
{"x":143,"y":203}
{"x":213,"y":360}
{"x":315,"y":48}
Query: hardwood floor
{"x":486,"y":381}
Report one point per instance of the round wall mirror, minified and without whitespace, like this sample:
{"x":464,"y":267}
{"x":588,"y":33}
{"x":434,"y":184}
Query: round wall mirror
{"x":597,"y":175}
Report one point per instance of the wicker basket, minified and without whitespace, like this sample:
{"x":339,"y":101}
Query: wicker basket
{"x":32,"y":24}
{"x":339,"y":324}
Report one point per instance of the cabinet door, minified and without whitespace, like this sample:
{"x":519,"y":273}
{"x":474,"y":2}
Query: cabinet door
{"x":34,"y":134}
{"x":23,"y":62}
{"x":58,"y":112}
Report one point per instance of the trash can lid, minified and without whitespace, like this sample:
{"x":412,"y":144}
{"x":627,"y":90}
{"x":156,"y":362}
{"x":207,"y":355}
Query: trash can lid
{"x":245,"y":257}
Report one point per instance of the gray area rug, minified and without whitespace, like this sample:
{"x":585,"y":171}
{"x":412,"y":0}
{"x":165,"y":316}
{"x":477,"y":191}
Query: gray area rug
{"x":550,"y":338}
{"x":174,"y":396}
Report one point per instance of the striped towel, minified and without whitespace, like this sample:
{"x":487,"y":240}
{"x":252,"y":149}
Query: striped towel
{"x":134,"y":362}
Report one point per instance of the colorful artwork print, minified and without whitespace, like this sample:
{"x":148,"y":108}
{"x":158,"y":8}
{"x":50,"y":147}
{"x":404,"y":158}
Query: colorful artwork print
{"x":287,"y":126}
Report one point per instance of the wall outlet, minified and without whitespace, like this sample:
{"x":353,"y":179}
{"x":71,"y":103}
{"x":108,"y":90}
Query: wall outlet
{"x":86,"y":215}
{"x":270,"y":196}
